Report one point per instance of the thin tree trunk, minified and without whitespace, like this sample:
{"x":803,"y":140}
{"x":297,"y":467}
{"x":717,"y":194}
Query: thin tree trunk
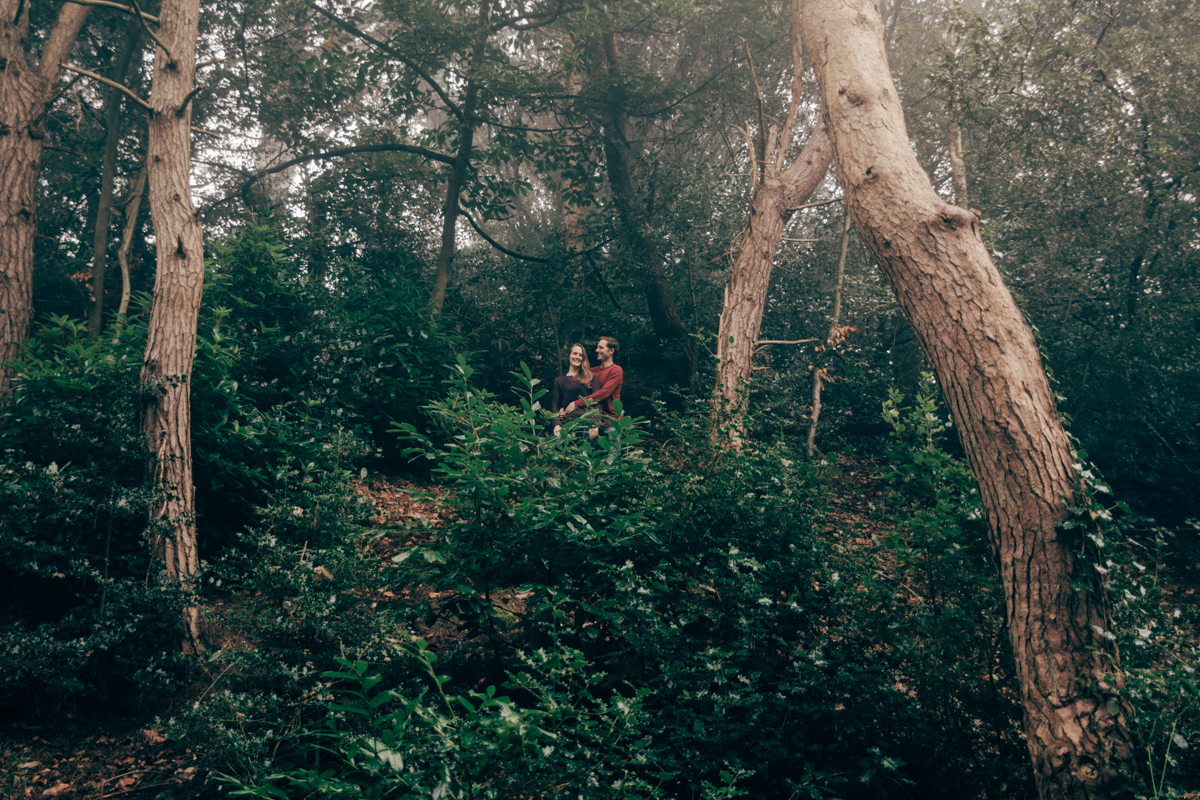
{"x":777,"y":194}
{"x":991,"y":375}
{"x":26,"y":89}
{"x":132,"y":209}
{"x":458,"y":170}
{"x":171,"y":343}
{"x":112,"y":122}
{"x":643,"y":251}
{"x":831,"y":340}
{"x":958,"y":166}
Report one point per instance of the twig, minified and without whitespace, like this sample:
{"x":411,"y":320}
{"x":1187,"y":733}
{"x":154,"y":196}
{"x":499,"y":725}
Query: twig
{"x":786,"y":239}
{"x":206,"y":133}
{"x":119,"y":87}
{"x":816,"y":204}
{"x":138,"y":788}
{"x":61,"y":149}
{"x":781,"y":341}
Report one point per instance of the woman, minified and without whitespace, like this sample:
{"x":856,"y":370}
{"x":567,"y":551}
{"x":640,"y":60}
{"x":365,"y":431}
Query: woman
{"x":567,"y":388}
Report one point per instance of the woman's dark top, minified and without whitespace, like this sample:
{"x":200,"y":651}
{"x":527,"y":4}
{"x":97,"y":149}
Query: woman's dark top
{"x":567,"y":389}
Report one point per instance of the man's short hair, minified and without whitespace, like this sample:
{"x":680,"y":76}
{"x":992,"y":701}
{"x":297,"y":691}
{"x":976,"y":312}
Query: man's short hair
{"x":612,"y":343}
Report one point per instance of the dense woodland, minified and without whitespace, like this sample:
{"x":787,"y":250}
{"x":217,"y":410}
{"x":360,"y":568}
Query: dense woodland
{"x":908,"y":302}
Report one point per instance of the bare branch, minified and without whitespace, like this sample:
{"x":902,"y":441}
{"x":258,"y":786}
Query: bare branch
{"x":183,"y":106}
{"x":522,"y":256}
{"x":151,"y":33}
{"x":118,"y":6}
{"x":118,"y":86}
{"x":762,"y":342}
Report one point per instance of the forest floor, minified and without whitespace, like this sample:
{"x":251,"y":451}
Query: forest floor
{"x":96,"y":757}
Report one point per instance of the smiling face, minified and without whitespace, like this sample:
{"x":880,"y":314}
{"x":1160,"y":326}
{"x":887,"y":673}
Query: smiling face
{"x":603,"y":352}
{"x":577,"y":356}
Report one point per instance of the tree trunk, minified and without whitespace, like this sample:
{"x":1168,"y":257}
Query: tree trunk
{"x":26,"y":90}
{"x":112,"y":122}
{"x":458,"y":170}
{"x":171,"y":343}
{"x":132,"y":208}
{"x":958,"y":166}
{"x":992,"y":378}
{"x":741,"y":316}
{"x":643,"y":251}
{"x":832,"y":340}
{"x":777,"y":194}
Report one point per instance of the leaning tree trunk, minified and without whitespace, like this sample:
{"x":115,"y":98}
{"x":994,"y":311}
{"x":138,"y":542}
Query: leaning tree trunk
{"x":745,"y":299}
{"x":778,"y":192}
{"x":26,"y":89}
{"x":171,"y":344}
{"x":992,"y":378}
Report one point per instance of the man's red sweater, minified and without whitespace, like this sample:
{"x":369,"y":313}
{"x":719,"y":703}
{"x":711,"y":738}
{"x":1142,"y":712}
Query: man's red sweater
{"x":608,"y":381}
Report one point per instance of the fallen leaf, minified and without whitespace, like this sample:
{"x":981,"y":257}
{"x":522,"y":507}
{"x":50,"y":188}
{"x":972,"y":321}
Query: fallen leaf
{"x":29,"y":765}
{"x":152,"y":736}
{"x":56,"y":789}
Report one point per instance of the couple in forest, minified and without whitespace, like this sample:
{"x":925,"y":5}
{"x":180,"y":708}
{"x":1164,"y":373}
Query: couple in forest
{"x":584,"y":386}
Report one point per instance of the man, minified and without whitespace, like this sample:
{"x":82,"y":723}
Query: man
{"x":607,"y":378}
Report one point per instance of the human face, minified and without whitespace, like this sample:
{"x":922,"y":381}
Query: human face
{"x":576,"y":357}
{"x":603,"y":353}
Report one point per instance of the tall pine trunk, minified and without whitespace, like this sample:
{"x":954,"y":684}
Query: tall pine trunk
{"x":171,"y":344}
{"x":27,"y":88}
{"x":991,"y":375}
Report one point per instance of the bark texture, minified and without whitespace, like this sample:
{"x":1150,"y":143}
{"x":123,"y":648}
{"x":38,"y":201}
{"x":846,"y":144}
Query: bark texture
{"x":171,"y":344}
{"x":992,"y":378}
{"x":27,"y":87}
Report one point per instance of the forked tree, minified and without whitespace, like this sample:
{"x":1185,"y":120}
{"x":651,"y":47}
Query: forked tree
{"x":983,"y":353}
{"x":171,"y":344}
{"x":778,"y":190}
{"x":27,"y":88}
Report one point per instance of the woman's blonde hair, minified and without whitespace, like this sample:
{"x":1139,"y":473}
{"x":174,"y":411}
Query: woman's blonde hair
{"x":585,"y":369}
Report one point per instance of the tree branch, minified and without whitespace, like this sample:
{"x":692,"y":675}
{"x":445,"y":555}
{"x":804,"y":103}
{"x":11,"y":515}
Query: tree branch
{"x":500,"y":247}
{"x":118,"y":6}
{"x":150,"y":33}
{"x":358,"y":33}
{"x":118,"y":86}
{"x":339,"y":153}
{"x":522,"y":256}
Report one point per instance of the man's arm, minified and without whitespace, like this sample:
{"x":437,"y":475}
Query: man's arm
{"x":616,"y":376}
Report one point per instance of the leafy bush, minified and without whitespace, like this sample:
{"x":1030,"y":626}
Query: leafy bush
{"x":689,"y":571}
{"x":377,"y":743}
